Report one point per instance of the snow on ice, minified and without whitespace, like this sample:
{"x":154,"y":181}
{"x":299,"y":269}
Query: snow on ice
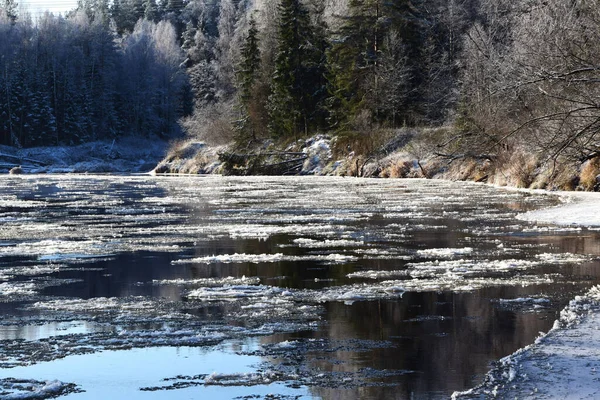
{"x":565,"y":362}
{"x":352,"y":227}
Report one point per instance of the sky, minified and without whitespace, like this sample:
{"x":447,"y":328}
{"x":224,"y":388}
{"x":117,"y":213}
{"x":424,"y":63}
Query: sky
{"x":37,"y":7}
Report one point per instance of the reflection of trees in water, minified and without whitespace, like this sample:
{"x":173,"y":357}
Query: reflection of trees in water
{"x":447,"y":339}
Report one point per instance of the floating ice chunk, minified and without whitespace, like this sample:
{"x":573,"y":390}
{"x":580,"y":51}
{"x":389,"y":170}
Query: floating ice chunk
{"x":140,"y":304}
{"x":17,"y":288}
{"x":538,"y":300}
{"x":35,"y":270}
{"x":233,"y":258}
{"x":57,"y":250}
{"x":265,"y":258}
{"x":562,"y":258}
{"x":378,"y":274}
{"x":444,"y":253}
{"x":30,"y":389}
{"x":235,"y":292}
{"x":210,"y":282}
{"x":352,"y":293}
{"x":327,"y":243}
{"x":10,"y":291}
{"x":468,"y":267}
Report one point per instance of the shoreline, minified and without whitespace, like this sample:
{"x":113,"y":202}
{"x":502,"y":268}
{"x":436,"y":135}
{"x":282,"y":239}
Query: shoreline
{"x":565,"y":361}
{"x":558,"y":363}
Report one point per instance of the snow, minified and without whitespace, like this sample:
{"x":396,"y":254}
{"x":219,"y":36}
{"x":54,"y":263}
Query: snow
{"x":565,"y":362}
{"x":13,"y":389}
{"x":265,"y":258}
{"x":578,"y":208}
{"x":318,"y":153}
{"x":129,"y":154}
{"x":312,"y":243}
{"x":210,"y":282}
{"x":444,"y":253}
{"x":562,"y":364}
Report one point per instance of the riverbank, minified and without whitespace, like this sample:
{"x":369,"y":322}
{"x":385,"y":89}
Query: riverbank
{"x":402,"y":153}
{"x":565,"y":362}
{"x":126,"y":155}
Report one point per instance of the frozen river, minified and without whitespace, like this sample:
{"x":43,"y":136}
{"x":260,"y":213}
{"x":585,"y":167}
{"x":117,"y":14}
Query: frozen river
{"x":141,"y":287}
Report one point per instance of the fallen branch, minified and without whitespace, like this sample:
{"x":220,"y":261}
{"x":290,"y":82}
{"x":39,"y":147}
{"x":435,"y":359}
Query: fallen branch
{"x":299,"y":160}
{"x":454,"y":157}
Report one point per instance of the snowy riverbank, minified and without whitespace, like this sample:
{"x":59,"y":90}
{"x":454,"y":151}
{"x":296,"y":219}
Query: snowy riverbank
{"x":132,"y":154}
{"x":565,"y":362}
{"x":579,"y":208}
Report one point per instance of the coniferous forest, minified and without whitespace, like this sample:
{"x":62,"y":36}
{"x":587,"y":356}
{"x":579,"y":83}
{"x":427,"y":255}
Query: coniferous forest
{"x":496,"y":78}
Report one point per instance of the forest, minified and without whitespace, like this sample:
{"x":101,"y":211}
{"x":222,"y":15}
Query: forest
{"x":513,"y":81}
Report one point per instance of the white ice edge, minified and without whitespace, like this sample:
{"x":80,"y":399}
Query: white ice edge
{"x":561,"y":363}
{"x":572,"y":343}
{"x":578,"y":208}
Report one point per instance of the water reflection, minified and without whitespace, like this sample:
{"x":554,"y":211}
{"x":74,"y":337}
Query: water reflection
{"x":426,"y":344}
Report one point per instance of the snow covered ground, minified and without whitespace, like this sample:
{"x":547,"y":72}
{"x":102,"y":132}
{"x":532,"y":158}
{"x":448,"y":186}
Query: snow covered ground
{"x":565,"y":362}
{"x":130,"y":154}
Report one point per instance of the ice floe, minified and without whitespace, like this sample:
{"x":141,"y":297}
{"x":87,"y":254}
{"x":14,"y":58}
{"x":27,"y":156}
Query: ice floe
{"x":266,"y":258}
{"x":363,"y":239}
{"x":210,"y":282}
{"x":444,"y":253}
{"x":327,"y":243}
{"x":13,"y":389}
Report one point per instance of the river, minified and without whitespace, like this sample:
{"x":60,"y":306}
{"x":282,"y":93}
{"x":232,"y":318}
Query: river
{"x":145,"y":287}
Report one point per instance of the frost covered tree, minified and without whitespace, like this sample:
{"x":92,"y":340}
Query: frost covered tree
{"x":155,"y":78}
{"x":66,"y":81}
{"x":224,"y":52}
{"x":10,"y":10}
{"x":151,"y":11}
{"x":530,"y":80}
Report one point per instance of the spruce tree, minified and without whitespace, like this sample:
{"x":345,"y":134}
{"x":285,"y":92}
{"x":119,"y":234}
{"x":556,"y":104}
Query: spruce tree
{"x":297,"y":75}
{"x":151,"y":10}
{"x":247,"y":76}
{"x":250,"y":64}
{"x":368,"y":73}
{"x":351,"y":58}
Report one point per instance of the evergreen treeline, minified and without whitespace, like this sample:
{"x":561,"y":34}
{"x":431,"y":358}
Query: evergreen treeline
{"x":270,"y":68}
{"x":504,"y":73}
{"x":71,"y":80}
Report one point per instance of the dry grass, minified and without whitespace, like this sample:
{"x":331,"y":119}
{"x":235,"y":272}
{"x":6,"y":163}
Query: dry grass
{"x":399,"y":169}
{"x":522,"y":169}
{"x":588,"y":178}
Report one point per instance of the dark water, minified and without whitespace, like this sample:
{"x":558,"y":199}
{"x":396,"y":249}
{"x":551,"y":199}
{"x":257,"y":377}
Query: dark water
{"x":98,"y":280}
